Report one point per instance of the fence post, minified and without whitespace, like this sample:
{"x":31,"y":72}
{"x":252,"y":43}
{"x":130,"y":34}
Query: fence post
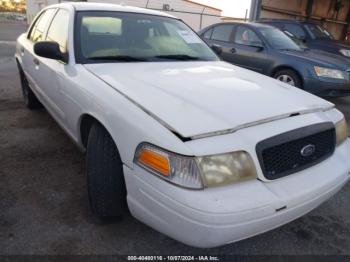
{"x":201,"y":19}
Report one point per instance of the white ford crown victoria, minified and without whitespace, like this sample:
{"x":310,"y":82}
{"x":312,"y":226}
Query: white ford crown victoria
{"x":201,"y":150}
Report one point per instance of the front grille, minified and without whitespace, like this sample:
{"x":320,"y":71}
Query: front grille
{"x":296,"y":150}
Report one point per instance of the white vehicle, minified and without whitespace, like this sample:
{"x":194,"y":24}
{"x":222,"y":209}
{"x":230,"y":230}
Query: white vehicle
{"x":203,"y":151}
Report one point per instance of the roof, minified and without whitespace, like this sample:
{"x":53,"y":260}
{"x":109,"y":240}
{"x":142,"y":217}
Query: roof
{"x":233,"y":18}
{"x":270,"y":20}
{"x":207,"y":6}
{"x":253,"y":24}
{"x":249,"y":24}
{"x":84,"y":6}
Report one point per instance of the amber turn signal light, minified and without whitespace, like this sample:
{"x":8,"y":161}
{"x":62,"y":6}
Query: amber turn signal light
{"x":154,"y":161}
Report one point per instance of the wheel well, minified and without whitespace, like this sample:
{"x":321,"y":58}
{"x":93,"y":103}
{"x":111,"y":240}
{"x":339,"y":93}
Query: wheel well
{"x":85,"y":125}
{"x":275,"y":70}
{"x":19,"y":65}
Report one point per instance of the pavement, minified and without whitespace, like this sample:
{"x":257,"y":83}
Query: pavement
{"x":43,"y":200}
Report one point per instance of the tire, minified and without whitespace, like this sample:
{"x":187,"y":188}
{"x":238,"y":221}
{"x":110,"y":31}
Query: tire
{"x":105,"y":179}
{"x":30,"y":100}
{"x":289,"y":74}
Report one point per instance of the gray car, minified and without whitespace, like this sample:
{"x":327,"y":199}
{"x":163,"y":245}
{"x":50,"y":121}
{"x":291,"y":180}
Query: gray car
{"x":269,"y":51}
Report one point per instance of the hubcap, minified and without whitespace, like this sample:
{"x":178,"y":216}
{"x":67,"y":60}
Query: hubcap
{"x":286,"y":79}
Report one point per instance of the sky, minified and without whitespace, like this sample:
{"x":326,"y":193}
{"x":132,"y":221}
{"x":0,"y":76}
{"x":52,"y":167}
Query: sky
{"x":234,"y":8}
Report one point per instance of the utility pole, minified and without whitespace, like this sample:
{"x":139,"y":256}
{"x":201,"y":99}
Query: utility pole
{"x":201,"y":19}
{"x":255,"y":9}
{"x":310,"y":4}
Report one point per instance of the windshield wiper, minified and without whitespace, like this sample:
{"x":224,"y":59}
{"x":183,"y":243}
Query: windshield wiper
{"x":122,"y":58}
{"x":288,"y":49}
{"x":178,"y":57}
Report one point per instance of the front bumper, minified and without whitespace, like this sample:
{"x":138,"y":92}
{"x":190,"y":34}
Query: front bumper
{"x":334,"y":88}
{"x":216,"y":216}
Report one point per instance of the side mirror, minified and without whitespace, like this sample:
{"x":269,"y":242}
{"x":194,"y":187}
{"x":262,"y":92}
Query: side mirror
{"x":217,"y":49}
{"x":50,"y":50}
{"x":259,"y":46}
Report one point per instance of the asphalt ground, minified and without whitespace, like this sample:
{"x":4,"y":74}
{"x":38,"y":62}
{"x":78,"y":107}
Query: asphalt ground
{"x":43,"y":200}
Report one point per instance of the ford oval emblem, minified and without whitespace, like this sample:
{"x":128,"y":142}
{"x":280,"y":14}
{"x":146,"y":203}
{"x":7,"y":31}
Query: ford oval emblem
{"x":308,"y":150}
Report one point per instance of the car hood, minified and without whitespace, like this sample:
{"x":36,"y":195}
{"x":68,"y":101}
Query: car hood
{"x":199,"y":99}
{"x":331,"y":43}
{"x":319,"y":57}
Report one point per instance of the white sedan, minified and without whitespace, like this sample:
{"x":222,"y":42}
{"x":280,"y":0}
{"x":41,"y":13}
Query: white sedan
{"x":206,"y":152}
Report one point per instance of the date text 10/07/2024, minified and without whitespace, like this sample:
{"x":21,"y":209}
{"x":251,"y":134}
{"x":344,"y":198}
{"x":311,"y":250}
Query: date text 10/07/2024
{"x":173,"y":258}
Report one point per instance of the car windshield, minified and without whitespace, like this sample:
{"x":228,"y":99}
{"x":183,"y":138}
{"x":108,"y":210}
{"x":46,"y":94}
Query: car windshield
{"x":318,"y":32}
{"x":296,"y":40}
{"x":278,"y":40}
{"x":130,"y":37}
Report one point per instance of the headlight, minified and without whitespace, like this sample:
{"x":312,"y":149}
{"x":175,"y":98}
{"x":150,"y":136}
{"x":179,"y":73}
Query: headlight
{"x":345,"y":52}
{"x":226,"y":168}
{"x":327,"y":72}
{"x":196,"y":172}
{"x":341,"y":129}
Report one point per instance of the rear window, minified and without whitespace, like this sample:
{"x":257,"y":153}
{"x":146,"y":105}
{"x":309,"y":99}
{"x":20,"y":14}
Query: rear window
{"x":318,"y":32}
{"x":222,"y":33}
{"x":38,"y":29}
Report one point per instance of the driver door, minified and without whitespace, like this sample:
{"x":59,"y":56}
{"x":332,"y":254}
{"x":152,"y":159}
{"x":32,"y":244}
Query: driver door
{"x":249,"y":50}
{"x":53,"y":77}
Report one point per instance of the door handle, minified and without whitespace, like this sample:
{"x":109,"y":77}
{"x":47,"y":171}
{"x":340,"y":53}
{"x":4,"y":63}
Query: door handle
{"x":36,"y":61}
{"x":233,"y":50}
{"x":21,"y":49}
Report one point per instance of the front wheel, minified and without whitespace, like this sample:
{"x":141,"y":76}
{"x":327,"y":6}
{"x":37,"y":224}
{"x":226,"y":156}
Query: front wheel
{"x":105,"y":179}
{"x":289,"y":77}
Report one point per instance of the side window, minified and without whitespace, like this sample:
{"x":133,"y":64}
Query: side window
{"x":207,"y":34}
{"x":296,"y":30}
{"x":38,"y":29}
{"x":246,"y":36}
{"x":32,"y":30}
{"x":222,"y":33}
{"x":58,"y":30}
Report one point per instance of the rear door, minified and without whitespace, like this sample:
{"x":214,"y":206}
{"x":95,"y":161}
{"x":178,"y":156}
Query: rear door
{"x":222,"y":36}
